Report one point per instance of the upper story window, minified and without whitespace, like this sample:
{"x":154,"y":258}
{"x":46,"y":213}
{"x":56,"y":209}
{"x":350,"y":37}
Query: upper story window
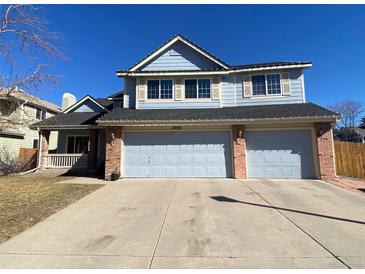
{"x":40,"y":114}
{"x":197,"y":88}
{"x":268,"y":84}
{"x":159,"y":89}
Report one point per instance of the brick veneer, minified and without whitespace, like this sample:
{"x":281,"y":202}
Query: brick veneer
{"x":239,"y":152}
{"x":93,"y":146}
{"x":44,"y":146}
{"x":325,"y":151}
{"x":113,"y":150}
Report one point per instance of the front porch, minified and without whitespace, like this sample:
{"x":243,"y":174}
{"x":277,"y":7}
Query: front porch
{"x":77,"y":150}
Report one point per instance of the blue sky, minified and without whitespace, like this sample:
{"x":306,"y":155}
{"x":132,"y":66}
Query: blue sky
{"x":99,"y":39}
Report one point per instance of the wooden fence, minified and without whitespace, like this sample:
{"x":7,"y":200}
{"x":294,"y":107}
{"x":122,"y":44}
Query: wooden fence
{"x":350,"y":159}
{"x":28,"y":158}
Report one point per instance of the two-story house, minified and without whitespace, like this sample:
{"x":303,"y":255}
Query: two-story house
{"x":186,"y":113}
{"x":19,"y":110}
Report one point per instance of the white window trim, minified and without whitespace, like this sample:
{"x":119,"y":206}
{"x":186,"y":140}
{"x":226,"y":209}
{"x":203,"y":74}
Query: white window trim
{"x":266,"y":89}
{"x":77,"y":135}
{"x":197,"y":99}
{"x":159,"y":91}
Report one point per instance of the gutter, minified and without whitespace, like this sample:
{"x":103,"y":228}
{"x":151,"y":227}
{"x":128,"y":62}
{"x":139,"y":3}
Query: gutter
{"x":222,"y":72}
{"x":216,"y":121}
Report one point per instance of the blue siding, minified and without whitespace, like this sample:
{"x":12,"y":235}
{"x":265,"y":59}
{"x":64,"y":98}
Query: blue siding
{"x":229,"y":99}
{"x":131,"y":91}
{"x":88,"y":106}
{"x":228,"y":96}
{"x":180,"y":105}
{"x":179,"y":57}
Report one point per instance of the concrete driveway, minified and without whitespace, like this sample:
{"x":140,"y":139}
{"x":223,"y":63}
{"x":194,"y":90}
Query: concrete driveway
{"x":199,"y":224}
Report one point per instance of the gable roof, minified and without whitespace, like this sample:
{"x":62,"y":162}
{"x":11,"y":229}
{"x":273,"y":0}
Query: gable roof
{"x":223,"y":69}
{"x":80,"y":102}
{"x":69,"y":120}
{"x":30,"y":99}
{"x":178,"y":37}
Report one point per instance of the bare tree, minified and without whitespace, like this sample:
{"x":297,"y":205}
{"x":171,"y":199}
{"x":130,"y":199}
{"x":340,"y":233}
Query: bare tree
{"x":26,"y":48}
{"x":350,"y":112}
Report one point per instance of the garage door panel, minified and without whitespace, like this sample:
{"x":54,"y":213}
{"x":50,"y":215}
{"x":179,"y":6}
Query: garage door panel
{"x":280,"y":154}
{"x":177,"y":154}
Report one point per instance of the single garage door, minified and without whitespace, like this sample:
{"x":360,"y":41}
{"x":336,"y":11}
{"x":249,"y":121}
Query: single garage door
{"x":177,"y":154}
{"x":280,"y":154}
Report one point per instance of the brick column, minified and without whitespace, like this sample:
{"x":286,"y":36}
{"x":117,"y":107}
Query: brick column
{"x":92,"y":148}
{"x":239,"y":152}
{"x":113,"y":150}
{"x":326,"y":158}
{"x":43,"y":146}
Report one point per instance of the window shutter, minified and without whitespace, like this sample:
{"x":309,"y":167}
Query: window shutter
{"x":285,"y":83}
{"x":142,"y":89}
{"x":247,"y":85}
{"x":178,"y":90}
{"x":216,"y":88}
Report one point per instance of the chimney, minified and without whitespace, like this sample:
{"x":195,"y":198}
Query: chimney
{"x":67,"y":100}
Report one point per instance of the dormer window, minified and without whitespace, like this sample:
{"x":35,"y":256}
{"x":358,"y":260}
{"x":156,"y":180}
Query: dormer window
{"x":267,"y":84}
{"x":159,"y":89}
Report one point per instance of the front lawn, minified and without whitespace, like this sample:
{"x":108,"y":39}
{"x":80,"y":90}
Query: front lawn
{"x":26,"y":200}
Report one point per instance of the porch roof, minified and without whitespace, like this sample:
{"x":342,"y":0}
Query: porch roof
{"x":308,"y":111}
{"x":71,"y":119}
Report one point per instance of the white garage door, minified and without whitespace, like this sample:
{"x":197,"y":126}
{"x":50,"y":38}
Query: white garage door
{"x":177,"y":154}
{"x":280,"y":154}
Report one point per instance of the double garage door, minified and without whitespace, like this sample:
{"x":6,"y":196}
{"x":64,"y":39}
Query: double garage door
{"x":270,"y":154}
{"x":177,"y":154}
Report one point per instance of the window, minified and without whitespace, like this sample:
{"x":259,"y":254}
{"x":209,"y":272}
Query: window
{"x":159,"y":89}
{"x":35,"y":143}
{"x":166,"y":89}
{"x":273,"y":83}
{"x":40,"y":114}
{"x":77,"y":144}
{"x":153,"y":89}
{"x":268,"y":84}
{"x":258,"y":85}
{"x":197,"y":88}
{"x":190,"y":89}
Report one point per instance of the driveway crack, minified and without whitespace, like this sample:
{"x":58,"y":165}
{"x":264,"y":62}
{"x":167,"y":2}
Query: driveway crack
{"x":163,"y":223}
{"x":300,"y":228}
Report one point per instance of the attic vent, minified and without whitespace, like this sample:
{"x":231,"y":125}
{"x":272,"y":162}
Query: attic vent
{"x":174,"y":53}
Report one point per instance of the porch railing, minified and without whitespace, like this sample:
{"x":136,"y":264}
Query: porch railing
{"x":66,"y":160}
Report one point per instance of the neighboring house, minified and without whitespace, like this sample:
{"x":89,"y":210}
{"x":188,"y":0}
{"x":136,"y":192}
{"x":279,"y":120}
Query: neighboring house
{"x":18,"y":110}
{"x":186,"y":113}
{"x":357,"y":135}
{"x":360,"y":138}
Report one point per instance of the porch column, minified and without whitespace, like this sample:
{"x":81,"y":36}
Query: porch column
{"x":325,"y":151}
{"x":113,"y":151}
{"x":92,"y":148}
{"x":43,"y":147}
{"x":239,"y":152}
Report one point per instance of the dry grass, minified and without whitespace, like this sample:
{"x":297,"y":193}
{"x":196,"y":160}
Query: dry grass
{"x":26,"y":200}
